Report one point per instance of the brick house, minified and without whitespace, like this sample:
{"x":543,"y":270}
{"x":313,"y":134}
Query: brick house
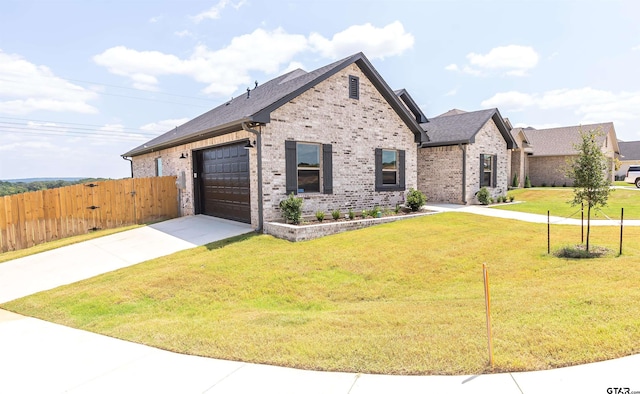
{"x":338,"y":137}
{"x":465,"y":151}
{"x":543,"y":153}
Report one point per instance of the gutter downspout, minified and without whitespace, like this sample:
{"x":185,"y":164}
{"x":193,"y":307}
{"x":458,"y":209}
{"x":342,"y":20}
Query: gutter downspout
{"x":259,"y":147}
{"x":131,"y":163}
{"x":463,"y":148}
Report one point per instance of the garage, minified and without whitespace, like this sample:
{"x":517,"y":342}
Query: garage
{"x":223,"y":174}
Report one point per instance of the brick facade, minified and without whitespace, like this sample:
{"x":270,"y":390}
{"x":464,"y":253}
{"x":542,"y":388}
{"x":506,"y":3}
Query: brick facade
{"x":440,"y":168}
{"x":323,"y":114}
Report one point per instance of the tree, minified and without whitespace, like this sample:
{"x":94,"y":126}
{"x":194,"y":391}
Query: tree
{"x":591,"y":185}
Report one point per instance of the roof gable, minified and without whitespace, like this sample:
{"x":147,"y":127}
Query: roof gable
{"x":411,"y":105}
{"x":257,"y":104}
{"x":629,"y":150}
{"x":459,"y":127}
{"x":560,"y":141}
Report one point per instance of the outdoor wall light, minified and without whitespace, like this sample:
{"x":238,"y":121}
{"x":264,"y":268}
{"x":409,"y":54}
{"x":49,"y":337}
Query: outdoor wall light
{"x":184,"y":156}
{"x":250,"y":144}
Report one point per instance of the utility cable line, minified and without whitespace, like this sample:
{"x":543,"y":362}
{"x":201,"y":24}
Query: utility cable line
{"x":213,"y":103}
{"x":23,"y":126}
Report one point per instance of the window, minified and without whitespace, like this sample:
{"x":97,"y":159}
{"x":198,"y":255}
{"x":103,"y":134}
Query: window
{"x":354,"y":87}
{"x":308,"y":167}
{"x":158,"y":166}
{"x":389,"y":169}
{"x":488,"y":170}
{"x":308,"y":160}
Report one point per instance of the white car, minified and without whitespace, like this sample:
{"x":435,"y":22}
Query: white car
{"x":633,"y":175}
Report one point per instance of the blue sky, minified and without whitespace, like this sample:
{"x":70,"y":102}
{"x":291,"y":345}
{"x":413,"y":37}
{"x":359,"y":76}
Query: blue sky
{"x":82,"y":82}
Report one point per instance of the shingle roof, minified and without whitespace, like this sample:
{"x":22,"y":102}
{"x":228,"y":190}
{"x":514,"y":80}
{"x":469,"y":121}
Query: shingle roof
{"x":264,"y":99}
{"x":461,"y":127}
{"x":560,"y":141}
{"x":629,"y":150}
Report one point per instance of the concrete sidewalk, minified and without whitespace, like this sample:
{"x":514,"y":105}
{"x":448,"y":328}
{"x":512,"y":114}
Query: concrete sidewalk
{"x":41,"y":357}
{"x":523,"y":216}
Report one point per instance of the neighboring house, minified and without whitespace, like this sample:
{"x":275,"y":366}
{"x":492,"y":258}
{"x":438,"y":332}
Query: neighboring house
{"x":338,"y":137}
{"x":629,"y":155}
{"x":544,"y":152}
{"x":519,"y":162}
{"x":465,"y":151}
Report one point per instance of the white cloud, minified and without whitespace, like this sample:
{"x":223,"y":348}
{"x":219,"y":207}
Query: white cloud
{"x":515,"y":57}
{"x":451,"y":92}
{"x":155,"y":19}
{"x":26,"y":87}
{"x":377,"y":43}
{"x":226,"y":69}
{"x":214,"y":12}
{"x":513,"y":60}
{"x":514,"y":101}
{"x":163,"y":125}
{"x":592,"y":105}
{"x":636,"y":48}
{"x":183,"y":33}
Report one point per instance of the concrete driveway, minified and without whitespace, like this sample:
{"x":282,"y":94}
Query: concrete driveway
{"x":48,"y":270}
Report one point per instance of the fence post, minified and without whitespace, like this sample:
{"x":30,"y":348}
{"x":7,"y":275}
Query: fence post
{"x":621,"y":226}
{"x":582,"y":223}
{"x":487,"y":304}
{"x":548,"y":234}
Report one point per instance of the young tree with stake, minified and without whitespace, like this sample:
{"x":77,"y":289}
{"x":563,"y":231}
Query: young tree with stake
{"x":589,"y":170}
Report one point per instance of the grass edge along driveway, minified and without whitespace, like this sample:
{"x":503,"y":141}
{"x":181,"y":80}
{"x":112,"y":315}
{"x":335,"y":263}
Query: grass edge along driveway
{"x":400,"y":298}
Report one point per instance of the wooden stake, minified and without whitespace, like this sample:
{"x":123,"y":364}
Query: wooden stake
{"x":487,"y":303}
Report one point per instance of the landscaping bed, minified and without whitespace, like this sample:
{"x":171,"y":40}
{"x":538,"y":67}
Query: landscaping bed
{"x":308,"y":230}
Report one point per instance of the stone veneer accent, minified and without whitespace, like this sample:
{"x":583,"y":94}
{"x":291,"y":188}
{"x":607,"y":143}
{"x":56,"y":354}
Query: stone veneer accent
{"x":323,"y":114}
{"x":295,"y":233}
{"x":440,"y":168}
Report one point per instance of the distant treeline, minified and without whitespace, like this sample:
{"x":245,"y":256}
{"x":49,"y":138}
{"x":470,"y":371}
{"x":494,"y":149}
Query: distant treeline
{"x":7,"y":188}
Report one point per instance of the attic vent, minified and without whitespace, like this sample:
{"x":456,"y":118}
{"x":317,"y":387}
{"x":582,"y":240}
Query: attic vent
{"x":354,"y":87}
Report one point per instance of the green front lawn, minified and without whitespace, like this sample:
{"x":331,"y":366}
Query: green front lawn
{"x":555,"y":200}
{"x":400,"y":298}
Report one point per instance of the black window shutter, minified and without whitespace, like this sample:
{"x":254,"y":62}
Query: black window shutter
{"x":378,"y":169}
{"x":327,"y":169}
{"x":494,"y":168}
{"x":291,"y":167}
{"x":482,"y":170}
{"x":354,"y":87}
{"x":401,"y":182}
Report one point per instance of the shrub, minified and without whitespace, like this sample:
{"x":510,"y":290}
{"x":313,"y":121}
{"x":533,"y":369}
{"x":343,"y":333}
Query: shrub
{"x":292,"y":209}
{"x":335,"y":214}
{"x":320,"y":215}
{"x":483,"y":196}
{"x":352,"y":214}
{"x":375,"y":211}
{"x":511,"y":198}
{"x":514,"y":182}
{"x":396,"y":210}
{"x":527,"y":181}
{"x":415,"y":199}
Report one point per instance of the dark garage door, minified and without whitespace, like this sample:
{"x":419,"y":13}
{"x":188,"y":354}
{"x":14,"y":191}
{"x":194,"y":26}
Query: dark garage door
{"x":224,"y":182}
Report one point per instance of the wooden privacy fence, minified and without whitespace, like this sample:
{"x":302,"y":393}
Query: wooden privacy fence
{"x":32,"y":218}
